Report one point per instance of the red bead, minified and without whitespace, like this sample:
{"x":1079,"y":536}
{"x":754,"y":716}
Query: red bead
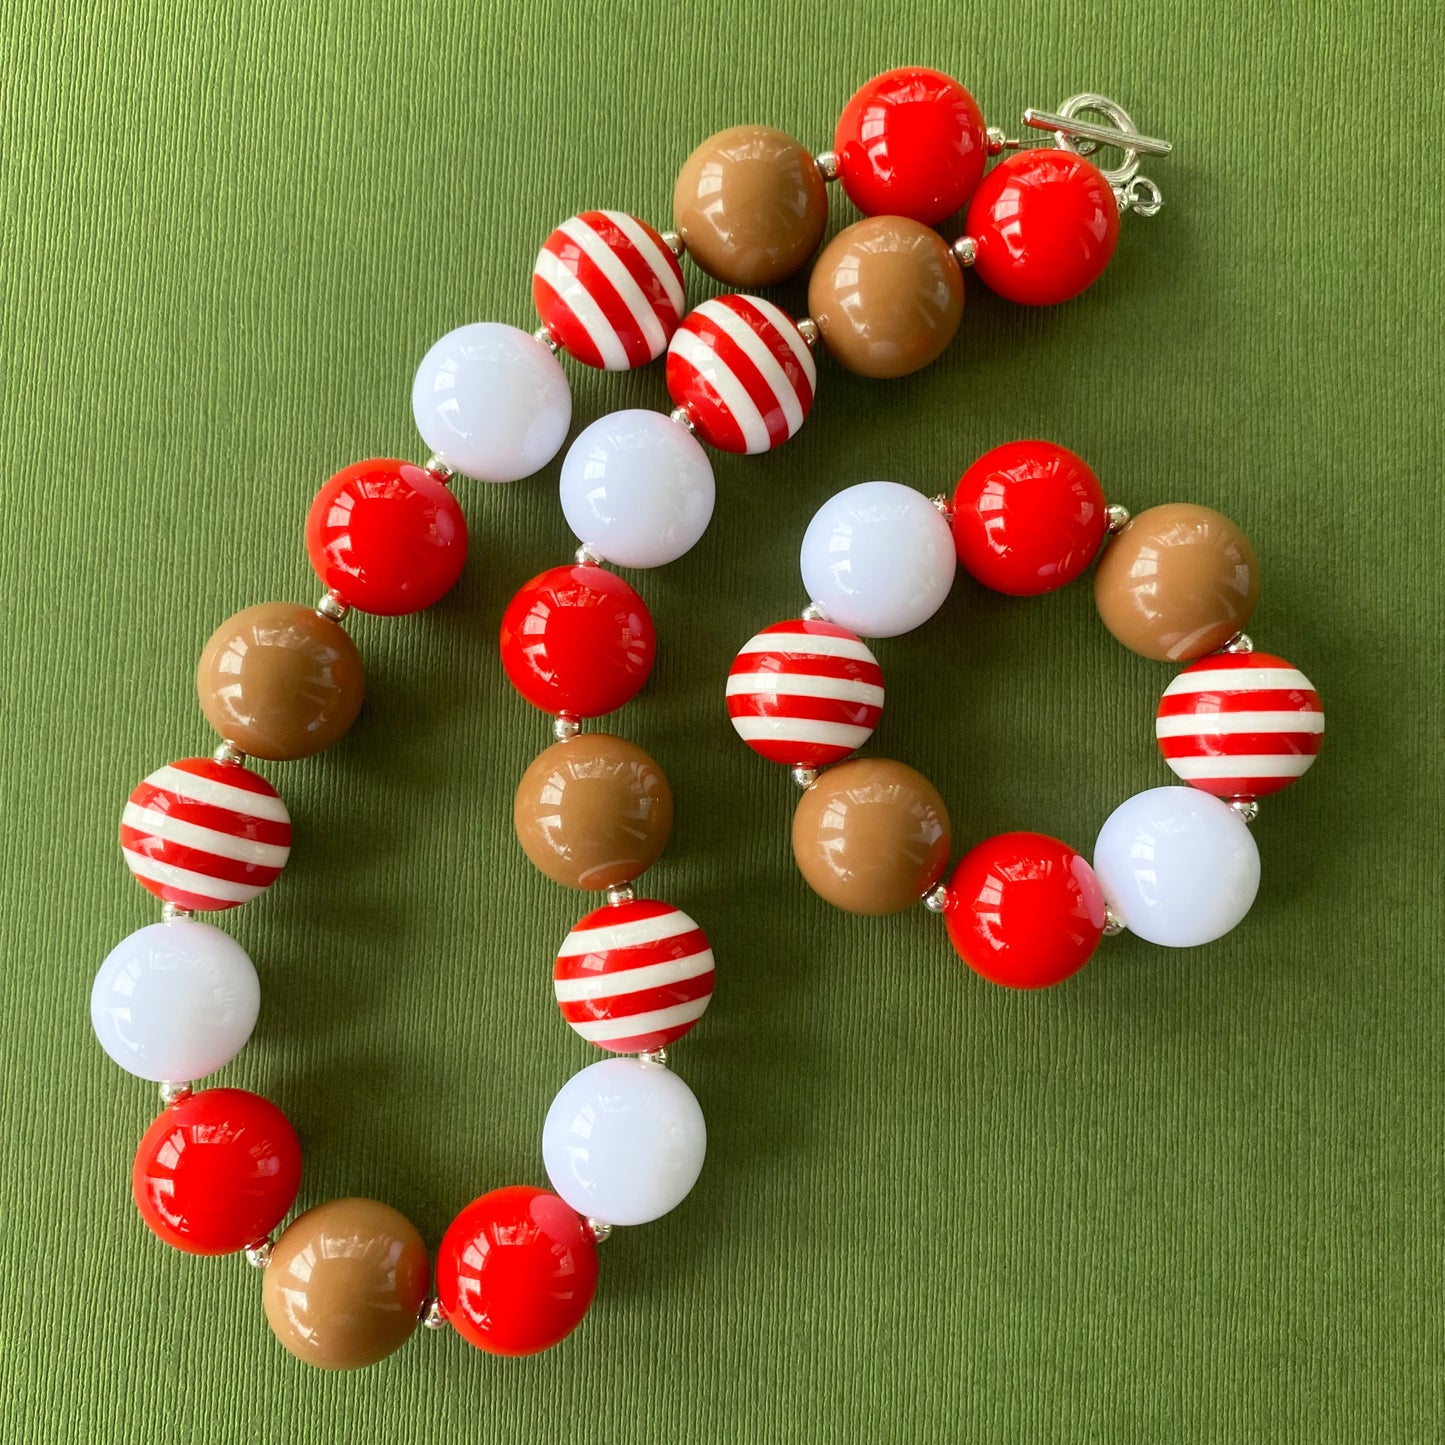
{"x":1024,"y":910}
{"x":387,"y":537}
{"x":911,"y":143}
{"x":217,"y":1171}
{"x":1044,"y":223}
{"x":578,"y":640}
{"x":516,"y":1271}
{"x":1028,"y":517}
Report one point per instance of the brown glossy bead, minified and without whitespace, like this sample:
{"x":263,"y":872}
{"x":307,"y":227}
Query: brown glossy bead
{"x":871,"y":836}
{"x":887,"y":295}
{"x":593,"y":811}
{"x":346,"y":1283}
{"x":1177,"y":582}
{"x":751,"y":205}
{"x":280,"y":681}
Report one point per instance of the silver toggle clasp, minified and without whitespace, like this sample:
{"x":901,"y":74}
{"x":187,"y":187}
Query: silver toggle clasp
{"x":1083,"y":137}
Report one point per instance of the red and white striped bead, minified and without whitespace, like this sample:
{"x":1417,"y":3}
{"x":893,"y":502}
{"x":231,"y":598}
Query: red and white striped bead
{"x":1240,"y":725}
{"x":205,"y":835}
{"x":742,"y":370}
{"x":608,"y":289}
{"x":634,"y":976}
{"x":805,"y":693}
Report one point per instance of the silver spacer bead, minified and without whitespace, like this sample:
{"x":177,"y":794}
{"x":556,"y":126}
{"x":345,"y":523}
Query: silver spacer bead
{"x":432,"y":1315}
{"x":1118,"y":517}
{"x":565,"y":726}
{"x":996,"y":140}
{"x":804,"y":775}
{"x":1240,"y":642}
{"x":174,"y":1093}
{"x":600,"y":1230}
{"x":332,"y":606}
{"x":654,"y":1056}
{"x":1247,"y":808}
{"x":173,"y":911}
{"x":436,"y":467}
{"x":813,"y":613}
{"x":258,"y":1255}
{"x":683,"y":417}
{"x":547,"y":339}
{"x":588,"y":556}
{"x":829,"y":166}
{"x":944,"y":507}
{"x":1113,"y":924}
{"x":965,"y":251}
{"x":620,"y":893}
{"x":936,"y":899}
{"x":674,"y":243}
{"x":228,"y":755}
{"x":808,"y":330}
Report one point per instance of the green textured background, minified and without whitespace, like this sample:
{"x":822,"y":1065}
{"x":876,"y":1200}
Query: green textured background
{"x":1188,"y":1197}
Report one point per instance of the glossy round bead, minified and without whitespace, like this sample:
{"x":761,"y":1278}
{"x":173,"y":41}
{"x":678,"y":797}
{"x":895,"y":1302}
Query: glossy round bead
{"x":743,"y":371}
{"x":577,"y":640}
{"x":280,"y":681}
{"x":492,"y":402}
{"x":1240,"y":725}
{"x":1179,"y":581}
{"x":1024,"y":910}
{"x":805,"y":693}
{"x":624,"y":1141}
{"x":750,"y":205}
{"x":1028,"y":516}
{"x":887,"y":296}
{"x":871,"y":836}
{"x":1179,"y":867}
{"x":608,"y":289}
{"x":634,"y":976}
{"x":593,"y":811}
{"x":516,"y":1271}
{"x":911,"y":143}
{"x":346,"y":1284}
{"x":637,"y":488}
{"x":387,"y":537}
{"x":878,"y":559}
{"x":175,"y":1000}
{"x":1044,"y":224}
{"x":217,"y":1171}
{"x":205,"y":835}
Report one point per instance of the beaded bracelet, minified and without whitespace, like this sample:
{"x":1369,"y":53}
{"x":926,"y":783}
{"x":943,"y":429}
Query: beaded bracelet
{"x":346,"y":1283}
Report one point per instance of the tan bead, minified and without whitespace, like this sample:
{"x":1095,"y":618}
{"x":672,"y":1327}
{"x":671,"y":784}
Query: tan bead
{"x":593,"y":811}
{"x":345,"y":1284}
{"x":280,"y":681}
{"x":751,"y":205}
{"x":887,"y":295}
{"x":871,"y":836}
{"x":1177,"y":582}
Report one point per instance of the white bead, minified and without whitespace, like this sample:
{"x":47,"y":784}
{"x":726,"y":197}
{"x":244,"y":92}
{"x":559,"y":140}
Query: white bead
{"x":492,"y":402}
{"x":637,"y":488}
{"x":1178,"y":866}
{"x":175,"y":1000}
{"x":878,"y":558}
{"x":624,"y":1141}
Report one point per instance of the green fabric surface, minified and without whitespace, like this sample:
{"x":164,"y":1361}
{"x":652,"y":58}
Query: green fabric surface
{"x":1186,"y":1197}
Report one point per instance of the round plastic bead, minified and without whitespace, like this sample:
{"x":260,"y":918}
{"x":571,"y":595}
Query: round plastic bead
{"x":624,"y":1141}
{"x":637,"y":488}
{"x":387,"y":537}
{"x":608,"y":289}
{"x":805,"y":693}
{"x":1178,"y":866}
{"x":217,"y":1171}
{"x":1024,"y":910}
{"x":1179,"y":581}
{"x":878,"y":558}
{"x":1240,"y":724}
{"x":280,"y":681}
{"x":743,"y":372}
{"x":871,"y":836}
{"x":205,"y":835}
{"x":634,"y":976}
{"x":577,"y":640}
{"x":593,"y":811}
{"x":1028,"y":516}
{"x":346,"y":1284}
{"x":175,"y":1001}
{"x":911,"y":142}
{"x":516,"y":1271}
{"x":1044,"y":225}
{"x":492,"y":402}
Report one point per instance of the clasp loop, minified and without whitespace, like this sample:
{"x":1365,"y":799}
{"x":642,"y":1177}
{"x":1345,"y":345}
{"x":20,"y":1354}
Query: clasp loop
{"x":1084,"y":137}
